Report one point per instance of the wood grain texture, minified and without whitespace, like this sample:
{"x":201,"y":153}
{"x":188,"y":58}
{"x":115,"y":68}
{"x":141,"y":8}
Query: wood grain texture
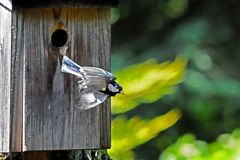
{"x":6,"y":4}
{"x":63,"y":3}
{"x":5,"y":70}
{"x":49,"y":120}
{"x":17,"y":66}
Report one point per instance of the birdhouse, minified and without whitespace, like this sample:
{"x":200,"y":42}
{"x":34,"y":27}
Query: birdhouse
{"x":36,"y":98}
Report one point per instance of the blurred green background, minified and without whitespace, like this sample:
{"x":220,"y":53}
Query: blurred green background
{"x":179,"y":64}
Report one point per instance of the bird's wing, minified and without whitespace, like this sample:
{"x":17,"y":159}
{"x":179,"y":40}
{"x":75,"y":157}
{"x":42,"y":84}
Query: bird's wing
{"x":89,"y":100}
{"x":93,"y":71}
{"x":98,"y":77}
{"x":90,"y":78}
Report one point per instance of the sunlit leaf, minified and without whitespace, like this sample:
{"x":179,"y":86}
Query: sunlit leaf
{"x":147,"y":82}
{"x":124,"y":155}
{"x":128,"y":134}
{"x":188,"y":147}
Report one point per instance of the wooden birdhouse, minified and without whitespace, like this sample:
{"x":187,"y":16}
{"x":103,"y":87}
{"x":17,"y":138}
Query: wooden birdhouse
{"x":36,"y":98}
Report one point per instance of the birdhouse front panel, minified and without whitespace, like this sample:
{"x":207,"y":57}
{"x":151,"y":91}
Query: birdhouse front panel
{"x":44,"y":96}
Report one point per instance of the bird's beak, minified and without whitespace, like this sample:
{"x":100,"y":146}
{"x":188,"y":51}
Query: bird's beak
{"x":69,"y":66}
{"x":121,"y":92}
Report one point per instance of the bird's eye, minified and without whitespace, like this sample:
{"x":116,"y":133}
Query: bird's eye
{"x":117,"y":88}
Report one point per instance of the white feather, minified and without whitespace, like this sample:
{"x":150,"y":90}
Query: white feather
{"x":90,"y":100}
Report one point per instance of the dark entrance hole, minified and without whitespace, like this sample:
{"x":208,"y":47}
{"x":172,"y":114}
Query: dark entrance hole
{"x":59,"y":38}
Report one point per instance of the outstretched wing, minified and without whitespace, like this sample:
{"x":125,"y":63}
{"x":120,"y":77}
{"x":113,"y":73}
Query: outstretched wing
{"x":90,"y":100}
{"x":98,"y":78}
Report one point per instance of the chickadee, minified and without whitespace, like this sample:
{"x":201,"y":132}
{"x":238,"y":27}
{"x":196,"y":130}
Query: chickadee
{"x":95,"y":85}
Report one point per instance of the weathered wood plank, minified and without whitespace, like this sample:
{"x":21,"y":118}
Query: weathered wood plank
{"x":17,"y":83}
{"x":6,"y":4}
{"x":64,"y":3}
{"x":5,"y":69}
{"x":105,"y":40}
{"x":50,"y":121}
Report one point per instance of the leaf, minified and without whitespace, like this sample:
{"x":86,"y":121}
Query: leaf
{"x":188,"y":147}
{"x":147,"y":82}
{"x":128,"y":134}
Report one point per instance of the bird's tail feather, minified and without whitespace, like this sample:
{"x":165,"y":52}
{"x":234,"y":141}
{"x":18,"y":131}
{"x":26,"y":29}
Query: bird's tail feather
{"x":69,"y":66}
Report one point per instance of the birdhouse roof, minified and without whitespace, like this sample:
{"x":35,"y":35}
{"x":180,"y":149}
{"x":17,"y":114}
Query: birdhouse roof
{"x":65,"y":3}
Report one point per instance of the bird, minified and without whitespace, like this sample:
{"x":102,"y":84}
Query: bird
{"x":95,"y":85}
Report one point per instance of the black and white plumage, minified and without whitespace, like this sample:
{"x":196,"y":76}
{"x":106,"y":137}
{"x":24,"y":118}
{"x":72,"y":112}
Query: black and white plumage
{"x":95,"y":85}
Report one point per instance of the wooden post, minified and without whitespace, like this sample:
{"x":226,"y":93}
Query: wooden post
{"x":38,"y":101}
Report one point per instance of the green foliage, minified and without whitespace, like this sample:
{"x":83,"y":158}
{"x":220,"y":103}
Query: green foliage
{"x":128,"y":134}
{"x":3,"y":156}
{"x":207,"y":33}
{"x":143,"y":83}
{"x":187,"y":147}
{"x":175,"y":8}
{"x":147,"y":82}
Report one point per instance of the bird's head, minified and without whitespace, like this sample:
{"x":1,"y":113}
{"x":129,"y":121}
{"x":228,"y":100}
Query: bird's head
{"x":114,"y":88}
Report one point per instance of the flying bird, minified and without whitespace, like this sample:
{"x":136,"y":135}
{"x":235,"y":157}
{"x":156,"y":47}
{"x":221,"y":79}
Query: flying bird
{"x":95,"y":85}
